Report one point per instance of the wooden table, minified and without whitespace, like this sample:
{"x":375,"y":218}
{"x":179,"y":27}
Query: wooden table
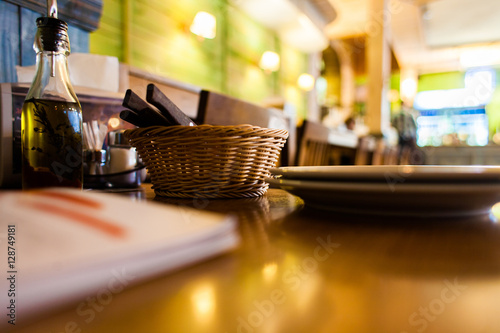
{"x":300,"y":270}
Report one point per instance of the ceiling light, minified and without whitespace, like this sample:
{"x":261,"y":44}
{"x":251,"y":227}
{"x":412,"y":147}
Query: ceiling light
{"x":408,"y":88}
{"x":204,"y":25}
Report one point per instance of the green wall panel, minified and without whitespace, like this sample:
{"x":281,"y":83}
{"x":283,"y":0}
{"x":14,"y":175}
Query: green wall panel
{"x":293,"y":63}
{"x":108,"y":38}
{"x":441,"y":81}
{"x":160,"y":42}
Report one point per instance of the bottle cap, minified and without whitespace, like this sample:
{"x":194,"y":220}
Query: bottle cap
{"x":52,"y":35}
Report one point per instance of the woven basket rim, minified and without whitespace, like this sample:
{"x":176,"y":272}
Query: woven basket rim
{"x":225,"y":130}
{"x":204,"y":126}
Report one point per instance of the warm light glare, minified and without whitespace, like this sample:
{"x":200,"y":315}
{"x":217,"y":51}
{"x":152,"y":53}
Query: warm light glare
{"x":204,"y":25}
{"x":306,"y":82}
{"x":114,"y":122}
{"x":269,"y":271}
{"x":203,"y":299}
{"x":270,"y":61}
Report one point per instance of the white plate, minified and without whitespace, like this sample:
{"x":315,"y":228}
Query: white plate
{"x":394,"y":173}
{"x":409,"y":199}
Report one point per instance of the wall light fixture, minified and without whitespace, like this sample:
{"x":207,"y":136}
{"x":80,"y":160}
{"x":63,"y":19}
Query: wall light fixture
{"x":204,"y":25}
{"x":270,"y":61}
{"x":306,"y":82}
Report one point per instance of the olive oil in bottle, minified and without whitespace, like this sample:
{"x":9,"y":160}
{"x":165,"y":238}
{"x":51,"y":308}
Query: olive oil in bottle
{"x":51,"y":121}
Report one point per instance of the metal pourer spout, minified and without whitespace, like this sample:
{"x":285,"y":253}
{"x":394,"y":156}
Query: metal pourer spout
{"x":52,"y":12}
{"x":52,"y":8}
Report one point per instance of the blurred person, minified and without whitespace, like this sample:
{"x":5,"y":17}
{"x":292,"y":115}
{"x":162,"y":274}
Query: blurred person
{"x":350,"y":123}
{"x":405,"y":124}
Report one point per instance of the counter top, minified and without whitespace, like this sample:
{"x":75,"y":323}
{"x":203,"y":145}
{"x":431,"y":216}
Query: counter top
{"x":302,"y":270}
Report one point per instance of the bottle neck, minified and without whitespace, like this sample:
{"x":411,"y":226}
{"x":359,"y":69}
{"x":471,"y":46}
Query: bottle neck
{"x":51,"y":81}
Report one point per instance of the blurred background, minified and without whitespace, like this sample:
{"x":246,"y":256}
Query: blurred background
{"x":377,"y":67}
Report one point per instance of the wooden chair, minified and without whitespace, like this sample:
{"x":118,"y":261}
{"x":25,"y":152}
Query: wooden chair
{"x":321,"y":145}
{"x":219,"y":109}
{"x":365,"y":150}
{"x":385,"y":154}
{"x":391,"y":156}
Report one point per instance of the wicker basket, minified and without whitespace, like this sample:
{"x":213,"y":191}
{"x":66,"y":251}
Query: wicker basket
{"x":208,"y":161}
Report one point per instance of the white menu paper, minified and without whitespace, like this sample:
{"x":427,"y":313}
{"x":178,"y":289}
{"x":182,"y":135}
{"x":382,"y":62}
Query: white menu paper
{"x":60,"y":245}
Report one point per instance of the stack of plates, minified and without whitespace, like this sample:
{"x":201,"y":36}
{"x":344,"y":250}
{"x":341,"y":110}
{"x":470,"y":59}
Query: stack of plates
{"x":394,"y":189}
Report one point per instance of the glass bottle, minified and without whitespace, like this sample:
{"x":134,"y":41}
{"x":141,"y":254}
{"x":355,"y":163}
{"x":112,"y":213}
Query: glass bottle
{"x":51,"y":130}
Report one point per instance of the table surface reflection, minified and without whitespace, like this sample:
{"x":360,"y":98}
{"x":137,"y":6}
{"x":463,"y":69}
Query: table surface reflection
{"x":301,"y":270}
